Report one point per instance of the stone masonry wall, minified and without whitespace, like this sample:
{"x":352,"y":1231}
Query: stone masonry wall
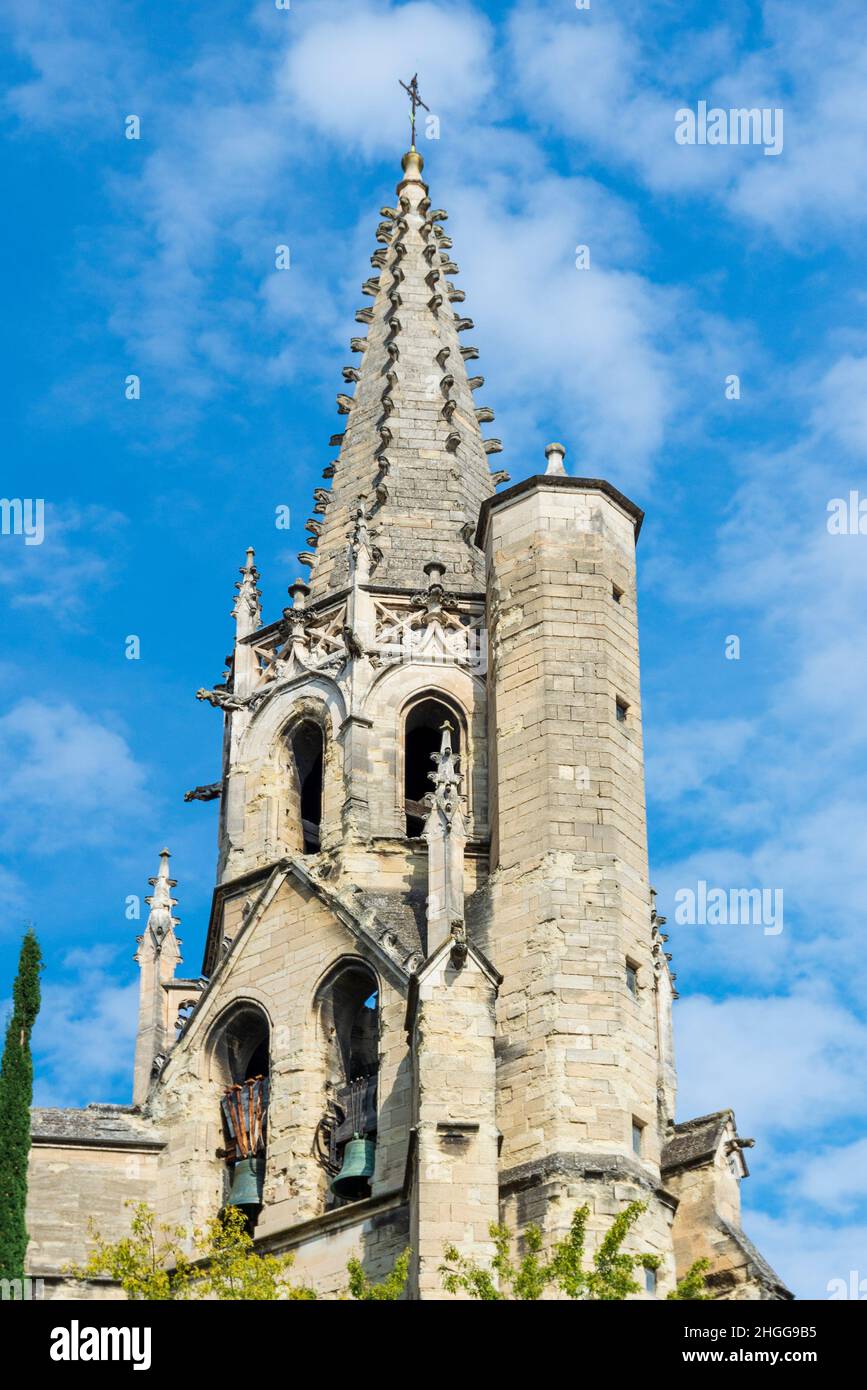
{"x":455,"y":1191}
{"x":568,"y":901}
{"x":278,"y":965}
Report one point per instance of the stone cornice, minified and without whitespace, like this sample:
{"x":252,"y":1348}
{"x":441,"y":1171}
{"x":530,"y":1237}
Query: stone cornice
{"x":342,"y":1218}
{"x":602,"y":1167}
{"x":553,"y":481}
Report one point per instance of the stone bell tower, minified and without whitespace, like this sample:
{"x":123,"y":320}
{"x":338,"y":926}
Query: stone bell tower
{"x":355,"y":778}
{"x":434,"y":993}
{"x":495,"y":636}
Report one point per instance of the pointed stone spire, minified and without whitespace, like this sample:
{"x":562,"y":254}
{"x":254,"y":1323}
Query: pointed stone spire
{"x":158,"y":956}
{"x":247,"y":611}
{"x":412,"y":442}
{"x":446,"y":835}
{"x":161,"y":919}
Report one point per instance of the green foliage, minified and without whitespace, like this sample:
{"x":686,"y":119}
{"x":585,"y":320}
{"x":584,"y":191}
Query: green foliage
{"x":233,"y":1269}
{"x":693,"y":1284}
{"x":526,"y":1280}
{"x":611,"y":1274}
{"x":151,"y":1262}
{"x":389,"y":1290}
{"x":16,"y":1094}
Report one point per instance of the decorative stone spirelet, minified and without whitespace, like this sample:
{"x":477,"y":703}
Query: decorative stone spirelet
{"x":555,"y":454}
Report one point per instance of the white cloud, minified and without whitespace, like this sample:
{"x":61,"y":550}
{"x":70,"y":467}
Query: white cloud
{"x":341,"y":74}
{"x":75,"y":560}
{"x":599,"y":364}
{"x":835,"y":1178}
{"x":686,"y":757}
{"x":840,"y":411}
{"x":810,"y":1254}
{"x":616,"y":83}
{"x":13,"y":903}
{"x":617,"y":361}
{"x":788,"y":811}
{"x":784,"y":1063}
{"x":85,"y":1034}
{"x":67,"y":779}
{"x":79,"y":64}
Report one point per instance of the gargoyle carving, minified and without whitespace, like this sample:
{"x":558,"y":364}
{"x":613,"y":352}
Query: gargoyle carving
{"x":458,"y":952}
{"x":223,"y":699}
{"x":353,"y":646}
{"x":209,"y":792}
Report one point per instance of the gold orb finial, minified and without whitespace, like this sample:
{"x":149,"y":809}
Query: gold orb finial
{"x":412,"y":163}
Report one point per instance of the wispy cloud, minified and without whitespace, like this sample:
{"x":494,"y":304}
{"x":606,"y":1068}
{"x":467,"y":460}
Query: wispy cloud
{"x":66,"y":778}
{"x":615,"y":81}
{"x":76,"y":560}
{"x":85,"y":1034}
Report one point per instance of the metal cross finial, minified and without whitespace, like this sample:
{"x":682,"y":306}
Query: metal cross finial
{"x":412,"y":88}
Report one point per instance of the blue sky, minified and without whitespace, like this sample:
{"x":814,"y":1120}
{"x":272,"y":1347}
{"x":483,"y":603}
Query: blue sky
{"x":155,"y":257}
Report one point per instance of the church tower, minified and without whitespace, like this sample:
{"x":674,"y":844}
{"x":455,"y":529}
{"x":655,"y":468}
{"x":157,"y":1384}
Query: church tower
{"x":434,"y":994}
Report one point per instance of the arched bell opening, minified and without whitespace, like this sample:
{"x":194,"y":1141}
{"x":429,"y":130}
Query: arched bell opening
{"x":241,"y":1064}
{"x":422,"y":737}
{"x":348,"y":1011}
{"x":307,"y":749}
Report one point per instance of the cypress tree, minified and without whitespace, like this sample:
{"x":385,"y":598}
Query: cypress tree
{"x":16,"y":1093}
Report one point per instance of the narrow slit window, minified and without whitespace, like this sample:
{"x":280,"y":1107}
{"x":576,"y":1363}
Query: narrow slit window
{"x":637,"y":1137}
{"x":622,"y":709}
{"x":616,"y":592}
{"x":632,"y":979}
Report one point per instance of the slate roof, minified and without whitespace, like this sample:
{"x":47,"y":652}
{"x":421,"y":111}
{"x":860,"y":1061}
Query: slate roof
{"x":403,"y":915}
{"x":117,"y":1126}
{"x":764,"y":1272}
{"x":695,"y":1141}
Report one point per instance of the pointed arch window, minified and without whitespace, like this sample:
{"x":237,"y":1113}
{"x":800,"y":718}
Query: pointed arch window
{"x":307,"y":749}
{"x":242,"y":1052}
{"x":348,"y":1005}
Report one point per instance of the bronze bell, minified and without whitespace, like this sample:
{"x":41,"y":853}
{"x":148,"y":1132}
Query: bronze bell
{"x":353,"y":1180}
{"x":248,"y":1176}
